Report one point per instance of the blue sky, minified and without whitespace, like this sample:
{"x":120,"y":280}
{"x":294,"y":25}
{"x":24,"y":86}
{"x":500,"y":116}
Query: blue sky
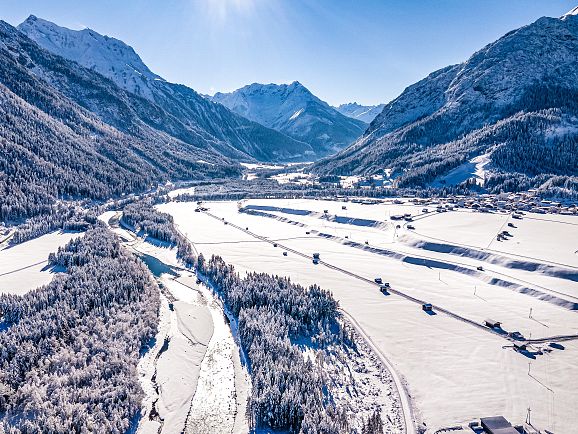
{"x":359,"y":50}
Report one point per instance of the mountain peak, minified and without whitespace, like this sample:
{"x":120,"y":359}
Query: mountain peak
{"x":106,"y":55}
{"x":357,"y":111}
{"x":524,"y":81}
{"x":293,"y":110}
{"x":570,"y":13}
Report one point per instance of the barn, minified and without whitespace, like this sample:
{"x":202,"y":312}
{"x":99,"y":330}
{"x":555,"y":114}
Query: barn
{"x":497,"y":425}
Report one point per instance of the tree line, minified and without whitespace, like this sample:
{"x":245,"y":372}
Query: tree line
{"x":69,"y":350}
{"x":143,"y":217}
{"x":276,"y":318}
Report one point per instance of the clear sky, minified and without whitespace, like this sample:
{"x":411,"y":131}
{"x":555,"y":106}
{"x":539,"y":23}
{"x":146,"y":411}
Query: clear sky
{"x":358,"y":50}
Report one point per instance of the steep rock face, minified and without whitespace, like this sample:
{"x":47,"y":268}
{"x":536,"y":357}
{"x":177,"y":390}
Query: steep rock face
{"x":533,"y":69}
{"x":172,"y":108}
{"x":293,"y":110}
{"x":364,"y":113}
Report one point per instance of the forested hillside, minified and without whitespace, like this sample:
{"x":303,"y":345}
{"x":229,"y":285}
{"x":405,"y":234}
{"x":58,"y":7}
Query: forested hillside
{"x":132,"y":97}
{"x":515,"y":101}
{"x":54,"y":148}
{"x":69,"y":350}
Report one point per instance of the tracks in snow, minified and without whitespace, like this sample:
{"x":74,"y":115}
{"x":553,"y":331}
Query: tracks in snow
{"x":408,"y":297}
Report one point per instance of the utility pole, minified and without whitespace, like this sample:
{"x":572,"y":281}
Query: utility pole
{"x":530,"y":316}
{"x":528,"y":420}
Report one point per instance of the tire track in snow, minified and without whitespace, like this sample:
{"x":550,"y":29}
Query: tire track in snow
{"x":396,"y":291}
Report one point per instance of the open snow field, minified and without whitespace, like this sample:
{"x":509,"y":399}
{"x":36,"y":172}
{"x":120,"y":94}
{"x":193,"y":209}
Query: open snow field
{"x":548,"y":238}
{"x":455,"y":370}
{"x":23,"y":267}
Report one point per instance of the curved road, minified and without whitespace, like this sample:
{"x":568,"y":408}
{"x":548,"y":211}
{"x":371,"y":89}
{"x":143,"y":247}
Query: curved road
{"x":404,"y":398}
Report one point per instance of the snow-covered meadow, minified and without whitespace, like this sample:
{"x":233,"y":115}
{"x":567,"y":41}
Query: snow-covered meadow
{"x":455,"y":369}
{"x":24,"y":267}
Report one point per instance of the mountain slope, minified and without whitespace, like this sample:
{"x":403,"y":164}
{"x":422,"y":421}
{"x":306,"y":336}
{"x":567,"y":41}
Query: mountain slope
{"x":514,"y":98}
{"x":364,"y":113}
{"x":51,"y":147}
{"x":293,"y":110}
{"x":174,"y":109}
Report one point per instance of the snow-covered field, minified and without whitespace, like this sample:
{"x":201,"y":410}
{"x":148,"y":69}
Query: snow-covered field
{"x":185,"y":190}
{"x":24,"y":267}
{"x":456,"y":371}
{"x":475,"y":168}
{"x":548,"y":238}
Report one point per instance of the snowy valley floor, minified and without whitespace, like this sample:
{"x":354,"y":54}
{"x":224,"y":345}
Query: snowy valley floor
{"x":24,"y":267}
{"x":194,"y":377}
{"x":455,"y":369}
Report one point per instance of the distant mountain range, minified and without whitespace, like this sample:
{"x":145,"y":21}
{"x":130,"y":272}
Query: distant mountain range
{"x":84,"y":117}
{"x":365,"y":113}
{"x":172,"y":108}
{"x":293,"y":110}
{"x":515,"y":101}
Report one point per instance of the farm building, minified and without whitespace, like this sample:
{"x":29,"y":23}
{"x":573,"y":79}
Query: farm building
{"x":497,"y":425}
{"x":493,"y":324}
{"x":520,"y":346}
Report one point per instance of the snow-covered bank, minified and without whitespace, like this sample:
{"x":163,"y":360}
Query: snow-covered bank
{"x":178,"y":367}
{"x":193,"y":377}
{"x":23,"y":267}
{"x":214,"y":405}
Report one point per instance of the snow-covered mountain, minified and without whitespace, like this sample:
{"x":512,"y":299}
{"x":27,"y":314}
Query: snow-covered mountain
{"x":176,"y":109}
{"x":516,"y":100}
{"x":571,"y":12}
{"x":293,"y":110}
{"x":105,"y":55}
{"x":53,"y":146}
{"x":365,"y":113}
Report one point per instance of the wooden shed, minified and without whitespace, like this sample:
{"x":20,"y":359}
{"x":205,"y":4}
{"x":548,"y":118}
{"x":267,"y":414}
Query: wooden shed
{"x":493,"y":324}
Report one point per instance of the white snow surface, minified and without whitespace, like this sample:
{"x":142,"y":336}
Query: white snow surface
{"x":475,"y":168}
{"x":455,"y":371}
{"x":105,"y":55}
{"x":24,"y":267}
